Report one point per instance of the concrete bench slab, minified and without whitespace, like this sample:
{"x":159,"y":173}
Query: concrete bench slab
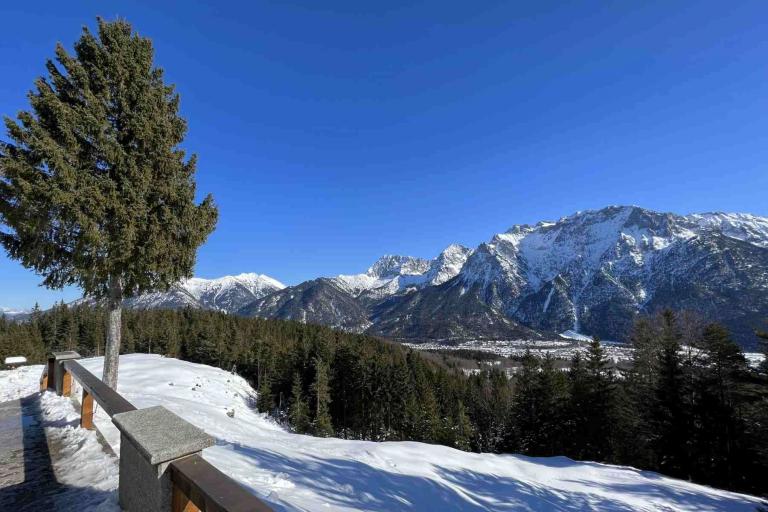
{"x":161,"y":435}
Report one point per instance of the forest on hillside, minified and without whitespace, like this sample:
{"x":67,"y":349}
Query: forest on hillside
{"x":689,"y":407}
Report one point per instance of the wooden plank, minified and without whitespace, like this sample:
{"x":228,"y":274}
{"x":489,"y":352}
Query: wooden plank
{"x":182,"y":503}
{"x":109,"y":399}
{"x":44,"y":382}
{"x":86,"y":411}
{"x":210,"y":489}
{"x":66,"y":383}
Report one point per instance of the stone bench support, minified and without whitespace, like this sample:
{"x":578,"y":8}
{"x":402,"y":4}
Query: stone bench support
{"x":150,"y":439}
{"x":61,"y":378}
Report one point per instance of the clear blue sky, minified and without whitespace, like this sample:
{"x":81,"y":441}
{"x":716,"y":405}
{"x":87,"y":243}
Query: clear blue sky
{"x":332,"y":132}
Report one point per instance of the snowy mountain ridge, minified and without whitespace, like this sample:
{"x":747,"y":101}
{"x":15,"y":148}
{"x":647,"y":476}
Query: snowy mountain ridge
{"x":13,"y":314}
{"x":391,"y":274}
{"x":228,"y":293}
{"x":589,"y":272}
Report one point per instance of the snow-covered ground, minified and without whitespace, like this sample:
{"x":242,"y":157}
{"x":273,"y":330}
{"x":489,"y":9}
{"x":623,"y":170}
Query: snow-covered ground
{"x":88,"y":474}
{"x":295,"y":472}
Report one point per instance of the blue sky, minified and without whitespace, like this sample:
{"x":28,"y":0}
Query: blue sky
{"x":332,"y":132}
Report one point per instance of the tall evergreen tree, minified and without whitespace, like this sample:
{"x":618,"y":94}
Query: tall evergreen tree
{"x":298,"y":412}
{"x":265,"y":401}
{"x":671,"y":413}
{"x":720,"y":390}
{"x":94,"y":188}
{"x":764,"y":345}
{"x":322,"y":426}
{"x":464,"y":431}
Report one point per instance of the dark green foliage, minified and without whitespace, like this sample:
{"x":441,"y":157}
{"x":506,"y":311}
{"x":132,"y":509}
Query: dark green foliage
{"x":298,"y":410}
{"x":699,"y":412}
{"x":537,"y":412}
{"x":592,"y":416}
{"x":265,"y":401}
{"x":321,"y":391}
{"x":764,"y":346}
{"x":95,"y":190}
{"x":93,"y":183}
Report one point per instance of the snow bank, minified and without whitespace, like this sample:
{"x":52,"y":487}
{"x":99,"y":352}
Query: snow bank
{"x":81,"y":464}
{"x":21,"y":382}
{"x":88,"y":475}
{"x":295,"y":472}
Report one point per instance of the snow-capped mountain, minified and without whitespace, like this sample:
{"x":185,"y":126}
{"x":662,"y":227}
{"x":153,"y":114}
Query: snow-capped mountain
{"x":13,"y":314}
{"x":593,"y":271}
{"x":346,"y":301}
{"x":229,"y":293}
{"x":392,"y":274}
{"x":590,"y":272}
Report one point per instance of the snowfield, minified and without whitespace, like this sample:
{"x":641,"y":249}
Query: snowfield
{"x":296,"y":472}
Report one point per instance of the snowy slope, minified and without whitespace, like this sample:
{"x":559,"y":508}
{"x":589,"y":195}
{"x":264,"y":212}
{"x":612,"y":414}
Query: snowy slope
{"x":295,"y":472}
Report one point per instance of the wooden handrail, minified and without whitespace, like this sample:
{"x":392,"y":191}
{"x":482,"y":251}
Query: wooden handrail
{"x":109,"y":399}
{"x":44,"y":378}
{"x":198,"y":483}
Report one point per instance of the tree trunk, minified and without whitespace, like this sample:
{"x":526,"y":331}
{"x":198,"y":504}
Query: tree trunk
{"x":114,"y":315}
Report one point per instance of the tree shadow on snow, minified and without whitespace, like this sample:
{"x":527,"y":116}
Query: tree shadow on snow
{"x":674,"y":491}
{"x":364,"y":487}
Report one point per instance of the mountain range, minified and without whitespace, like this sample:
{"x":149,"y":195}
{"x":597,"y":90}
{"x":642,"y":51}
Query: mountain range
{"x":591,"y":272}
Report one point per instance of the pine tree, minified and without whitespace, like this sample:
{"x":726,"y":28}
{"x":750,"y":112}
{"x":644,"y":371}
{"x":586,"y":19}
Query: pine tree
{"x":94,"y":188}
{"x":265,"y":401}
{"x":720,"y":391}
{"x":764,"y":344}
{"x":599,"y":404}
{"x":298,"y":411}
{"x":671,"y":412}
{"x":464,"y":431}
{"x":322,"y":425}
{"x":540,"y":393}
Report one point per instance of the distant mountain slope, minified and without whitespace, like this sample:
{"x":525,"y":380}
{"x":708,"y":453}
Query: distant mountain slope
{"x":320,"y":301}
{"x":13,"y":314}
{"x":590,"y":272}
{"x":229,"y":293}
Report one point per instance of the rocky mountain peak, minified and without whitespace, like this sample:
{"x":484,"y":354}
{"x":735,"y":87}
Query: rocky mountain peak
{"x":390,"y":266}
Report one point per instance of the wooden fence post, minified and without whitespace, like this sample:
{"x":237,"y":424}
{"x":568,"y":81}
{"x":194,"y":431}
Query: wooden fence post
{"x":62,"y":379}
{"x":181,"y":502}
{"x":86,"y":411}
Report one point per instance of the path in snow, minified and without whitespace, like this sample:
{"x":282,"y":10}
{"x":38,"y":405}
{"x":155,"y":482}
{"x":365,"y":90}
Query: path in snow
{"x":46,"y":462}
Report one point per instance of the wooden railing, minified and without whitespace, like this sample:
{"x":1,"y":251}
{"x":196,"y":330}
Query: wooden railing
{"x":197,"y":486}
{"x":195,"y":480}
